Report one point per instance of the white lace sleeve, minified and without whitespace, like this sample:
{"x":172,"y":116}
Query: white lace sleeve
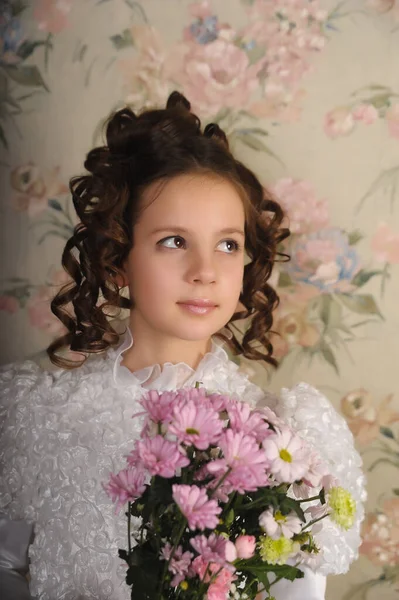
{"x":314,"y":418}
{"x":19,"y":384}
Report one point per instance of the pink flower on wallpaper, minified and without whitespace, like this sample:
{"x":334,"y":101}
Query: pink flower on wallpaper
{"x":324,"y":259}
{"x":367,"y":113}
{"x":278,"y":104}
{"x":35,"y":188}
{"x":381,"y":6}
{"x":291,"y":320}
{"x":380,"y":534}
{"x":145,"y":81}
{"x":200,"y":10}
{"x":384,"y":6}
{"x":385,"y":244}
{"x":392,"y":117}
{"x":305,"y":211}
{"x":364,"y":417}
{"x":213,"y":76}
{"x":9,"y":304}
{"x":283,"y":35}
{"x":52,"y":15}
{"x":339,"y":122}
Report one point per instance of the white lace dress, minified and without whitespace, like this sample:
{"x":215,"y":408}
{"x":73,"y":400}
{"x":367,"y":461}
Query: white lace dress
{"x":62,"y":432}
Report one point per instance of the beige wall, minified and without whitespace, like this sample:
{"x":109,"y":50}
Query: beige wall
{"x":319,"y":85}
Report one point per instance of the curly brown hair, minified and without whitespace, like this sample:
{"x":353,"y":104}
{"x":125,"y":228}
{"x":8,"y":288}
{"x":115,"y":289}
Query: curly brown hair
{"x":157,"y":145}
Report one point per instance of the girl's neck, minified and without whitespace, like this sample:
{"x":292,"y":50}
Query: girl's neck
{"x":152,"y":348}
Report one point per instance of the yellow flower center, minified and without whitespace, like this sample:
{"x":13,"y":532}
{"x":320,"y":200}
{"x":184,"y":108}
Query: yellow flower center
{"x":285,"y":455}
{"x":192,"y":431}
{"x":343,"y":507}
{"x":279,"y":517}
{"x":184,"y":585}
{"x":275,"y":552}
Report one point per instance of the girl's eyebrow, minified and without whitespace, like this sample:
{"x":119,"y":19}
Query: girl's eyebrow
{"x":182,"y":230}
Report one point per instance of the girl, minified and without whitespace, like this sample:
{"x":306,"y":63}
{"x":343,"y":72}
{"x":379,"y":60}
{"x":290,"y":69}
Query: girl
{"x":167,"y":211}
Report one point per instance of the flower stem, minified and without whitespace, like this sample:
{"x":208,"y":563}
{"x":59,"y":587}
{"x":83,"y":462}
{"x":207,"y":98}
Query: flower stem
{"x":310,"y":499}
{"x":175,"y":545}
{"x":220,"y":482}
{"x":128,"y":528}
{"x":314,"y":521}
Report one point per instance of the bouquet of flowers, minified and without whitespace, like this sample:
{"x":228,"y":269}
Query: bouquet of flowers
{"x":226,"y":499}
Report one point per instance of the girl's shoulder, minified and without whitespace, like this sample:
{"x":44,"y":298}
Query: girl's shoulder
{"x":313,"y":417}
{"x":38,"y":377}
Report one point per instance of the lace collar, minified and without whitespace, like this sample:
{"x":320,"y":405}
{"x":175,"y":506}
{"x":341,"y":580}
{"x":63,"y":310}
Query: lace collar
{"x":169,"y":376}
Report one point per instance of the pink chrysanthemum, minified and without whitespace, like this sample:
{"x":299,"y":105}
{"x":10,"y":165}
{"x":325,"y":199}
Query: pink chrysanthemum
{"x":244,"y":418}
{"x":200,"y":512}
{"x":133,"y":458}
{"x":218,"y":402}
{"x":126,"y":486}
{"x":180,"y":563}
{"x":196,"y":395}
{"x":247,"y":462}
{"x":288,"y":456}
{"x":220,"y":588}
{"x":160,"y":456}
{"x":159,"y":406}
{"x":196,"y":425}
{"x":212,"y":548}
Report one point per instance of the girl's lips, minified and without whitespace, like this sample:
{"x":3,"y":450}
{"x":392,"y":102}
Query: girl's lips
{"x":197,"y":309}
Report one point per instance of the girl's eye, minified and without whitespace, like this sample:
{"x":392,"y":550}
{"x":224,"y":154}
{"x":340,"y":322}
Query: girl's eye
{"x":232,"y":245}
{"x":168,"y":242}
{"x":176,"y":241}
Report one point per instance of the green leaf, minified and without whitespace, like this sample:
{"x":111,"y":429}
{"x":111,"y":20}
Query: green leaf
{"x":387,"y":432}
{"x":26,"y":75}
{"x":328,"y":355}
{"x":28,"y":47}
{"x":284,"y":280}
{"x":250,"y":131}
{"x":122,"y":40}
{"x":252,"y":142}
{"x":262,"y":577}
{"x":53,"y":203}
{"x":387,"y":180}
{"x":17,"y":7}
{"x":229,"y":518}
{"x":363,"y":276}
{"x":290,"y":505}
{"x":123,"y":554}
{"x":255,"y":54}
{"x":144,"y":572}
{"x":3,"y":138}
{"x":354,"y":237}
{"x":332,"y":312}
{"x":363,"y":304}
{"x":325,"y":306}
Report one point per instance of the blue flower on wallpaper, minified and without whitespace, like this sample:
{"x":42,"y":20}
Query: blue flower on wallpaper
{"x":205,"y":30}
{"x":11,"y":38}
{"x":324,"y":259}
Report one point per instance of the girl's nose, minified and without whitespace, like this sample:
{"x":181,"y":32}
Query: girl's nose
{"x":201,"y":268}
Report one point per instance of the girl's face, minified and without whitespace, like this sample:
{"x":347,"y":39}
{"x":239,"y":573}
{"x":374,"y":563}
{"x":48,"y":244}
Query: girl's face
{"x":188,"y":247}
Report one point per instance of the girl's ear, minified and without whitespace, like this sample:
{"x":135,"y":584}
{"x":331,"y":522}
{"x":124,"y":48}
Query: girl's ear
{"x":121,"y":280}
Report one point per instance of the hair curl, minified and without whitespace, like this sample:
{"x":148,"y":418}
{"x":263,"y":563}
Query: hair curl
{"x":157,"y":145}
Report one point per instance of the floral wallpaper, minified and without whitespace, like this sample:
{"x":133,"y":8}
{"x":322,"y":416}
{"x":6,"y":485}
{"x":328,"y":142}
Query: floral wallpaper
{"x":308,"y":93}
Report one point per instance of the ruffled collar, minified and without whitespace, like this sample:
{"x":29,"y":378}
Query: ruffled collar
{"x":169,"y":376}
